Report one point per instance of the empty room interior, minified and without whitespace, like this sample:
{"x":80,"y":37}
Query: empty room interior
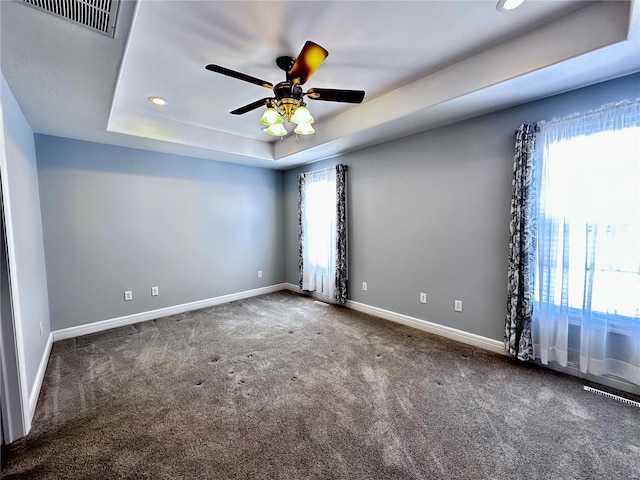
{"x":320,"y":240}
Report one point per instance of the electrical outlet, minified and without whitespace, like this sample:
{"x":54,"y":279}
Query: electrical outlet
{"x":259,"y":273}
{"x":154,"y":291}
{"x":364,"y":286}
{"x":423,"y":297}
{"x":128,"y":295}
{"x":457,"y":305}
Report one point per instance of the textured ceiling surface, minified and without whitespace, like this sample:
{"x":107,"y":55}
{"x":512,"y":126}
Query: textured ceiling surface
{"x":422,"y":64}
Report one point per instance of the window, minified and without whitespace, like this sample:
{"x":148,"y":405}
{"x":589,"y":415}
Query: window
{"x":589,"y":196}
{"x":586,"y":305}
{"x":320,"y":222}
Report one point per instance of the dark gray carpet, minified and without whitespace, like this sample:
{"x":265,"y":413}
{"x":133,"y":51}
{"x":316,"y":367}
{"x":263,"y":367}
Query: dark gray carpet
{"x":284,"y":387}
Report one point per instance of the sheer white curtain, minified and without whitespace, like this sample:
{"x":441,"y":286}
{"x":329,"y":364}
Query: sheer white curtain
{"x":587,"y":289}
{"x":319,"y":242}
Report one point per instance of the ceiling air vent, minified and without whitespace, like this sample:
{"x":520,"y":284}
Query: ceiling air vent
{"x":98,"y":15}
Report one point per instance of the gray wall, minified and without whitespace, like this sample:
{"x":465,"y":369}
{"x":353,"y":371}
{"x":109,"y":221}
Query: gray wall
{"x":117,"y":219}
{"x":430,"y":213}
{"x":22,"y":215}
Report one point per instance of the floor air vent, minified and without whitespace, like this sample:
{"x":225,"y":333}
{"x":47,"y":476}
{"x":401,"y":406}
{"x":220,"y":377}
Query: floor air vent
{"x":612,"y":396}
{"x":98,"y":15}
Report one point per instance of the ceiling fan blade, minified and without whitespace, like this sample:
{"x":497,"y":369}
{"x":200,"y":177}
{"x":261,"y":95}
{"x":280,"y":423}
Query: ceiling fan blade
{"x":238,"y":75}
{"x":311,"y":57}
{"x":252,"y":106}
{"x":332,"y":95}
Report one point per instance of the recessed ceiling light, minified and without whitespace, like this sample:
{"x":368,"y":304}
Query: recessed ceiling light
{"x":506,"y":5}
{"x":157,"y":100}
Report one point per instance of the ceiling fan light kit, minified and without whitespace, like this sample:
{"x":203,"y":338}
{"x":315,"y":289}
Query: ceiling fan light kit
{"x":298,"y":114}
{"x":288,"y":101}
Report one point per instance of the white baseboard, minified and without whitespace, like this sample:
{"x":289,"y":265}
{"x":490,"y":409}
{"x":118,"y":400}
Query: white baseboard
{"x":448,"y":332}
{"x":442,"y":330}
{"x":37,"y":383}
{"x":102,"y":325}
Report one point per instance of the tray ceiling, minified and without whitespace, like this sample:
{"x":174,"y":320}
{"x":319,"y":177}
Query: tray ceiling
{"x":422,"y":65}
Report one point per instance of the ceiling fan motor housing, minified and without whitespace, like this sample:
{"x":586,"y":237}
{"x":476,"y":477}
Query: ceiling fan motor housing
{"x":288,"y":98}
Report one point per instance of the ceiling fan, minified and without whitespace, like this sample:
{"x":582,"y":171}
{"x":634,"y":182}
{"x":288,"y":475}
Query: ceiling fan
{"x":288,"y":100}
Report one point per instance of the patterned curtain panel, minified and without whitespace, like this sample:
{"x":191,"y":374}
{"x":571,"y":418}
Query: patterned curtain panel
{"x":301,"y":184}
{"x":341,"y":234}
{"x":517,"y":334}
{"x":322,"y":232}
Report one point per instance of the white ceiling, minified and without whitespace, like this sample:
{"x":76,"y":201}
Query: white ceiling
{"x":422,"y":64}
